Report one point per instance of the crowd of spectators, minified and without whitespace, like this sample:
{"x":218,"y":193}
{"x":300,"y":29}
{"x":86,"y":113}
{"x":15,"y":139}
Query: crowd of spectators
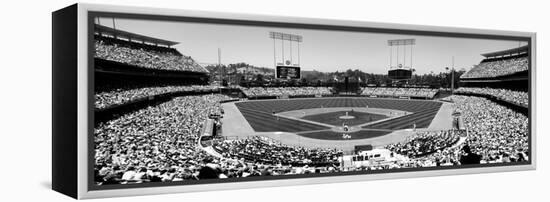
{"x":424,"y":143}
{"x":426,"y":92}
{"x":517,"y":97}
{"x":145,"y":58}
{"x":495,"y":133}
{"x":498,"y":68}
{"x":406,"y":92}
{"x":119,"y":96}
{"x":265,"y":150}
{"x":157,"y":143}
{"x":399,"y":92}
{"x":160,"y":144}
{"x":290,"y":91}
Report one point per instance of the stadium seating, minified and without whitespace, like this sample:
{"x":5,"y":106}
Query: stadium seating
{"x":425,"y":143}
{"x":496,"y":133}
{"x":153,"y":140}
{"x":160,"y":144}
{"x":516,"y":97}
{"x":268,"y":151}
{"x":291,"y":91}
{"x":425,"y":92}
{"x":120,"y":96}
{"x":142,"y":57}
{"x":498,"y":68}
{"x":399,"y":92}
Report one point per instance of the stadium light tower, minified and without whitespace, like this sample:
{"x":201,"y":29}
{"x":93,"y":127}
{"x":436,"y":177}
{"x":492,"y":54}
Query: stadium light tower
{"x":286,"y":68}
{"x":401,"y":70}
{"x":406,"y":44}
{"x":290,"y":38}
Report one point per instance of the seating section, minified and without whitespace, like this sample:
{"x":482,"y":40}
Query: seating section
{"x":497,"y":68}
{"x":399,"y":92}
{"x":268,"y":151}
{"x":516,"y":97}
{"x":157,"y":143}
{"x":120,"y":96}
{"x":160,"y":144}
{"x":137,"y":55}
{"x":291,"y":91}
{"x":495,"y":133}
{"x":425,"y":143}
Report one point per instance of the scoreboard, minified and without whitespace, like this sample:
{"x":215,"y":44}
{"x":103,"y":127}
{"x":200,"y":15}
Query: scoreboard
{"x":400,"y":74}
{"x":288,"y":72}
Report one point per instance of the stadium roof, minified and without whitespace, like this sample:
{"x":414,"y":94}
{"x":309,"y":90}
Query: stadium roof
{"x":132,"y":36}
{"x":522,"y":49}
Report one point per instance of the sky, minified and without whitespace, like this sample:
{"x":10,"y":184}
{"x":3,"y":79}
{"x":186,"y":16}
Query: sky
{"x":321,"y":50}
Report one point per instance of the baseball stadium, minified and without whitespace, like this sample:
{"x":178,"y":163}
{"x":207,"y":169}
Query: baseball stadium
{"x":163,"y":115}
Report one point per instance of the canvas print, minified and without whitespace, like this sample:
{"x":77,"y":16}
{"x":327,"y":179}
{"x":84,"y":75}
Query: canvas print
{"x":178,"y":102}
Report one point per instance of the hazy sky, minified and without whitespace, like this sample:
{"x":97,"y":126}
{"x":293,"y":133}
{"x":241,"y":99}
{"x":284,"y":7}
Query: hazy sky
{"x":320,"y":50}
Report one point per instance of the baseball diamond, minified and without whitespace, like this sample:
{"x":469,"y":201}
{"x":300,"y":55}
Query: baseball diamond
{"x":260,"y":113}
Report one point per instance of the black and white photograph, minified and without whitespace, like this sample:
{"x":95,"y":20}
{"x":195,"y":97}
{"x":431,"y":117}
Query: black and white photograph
{"x":272,"y":101}
{"x":187,"y":102}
